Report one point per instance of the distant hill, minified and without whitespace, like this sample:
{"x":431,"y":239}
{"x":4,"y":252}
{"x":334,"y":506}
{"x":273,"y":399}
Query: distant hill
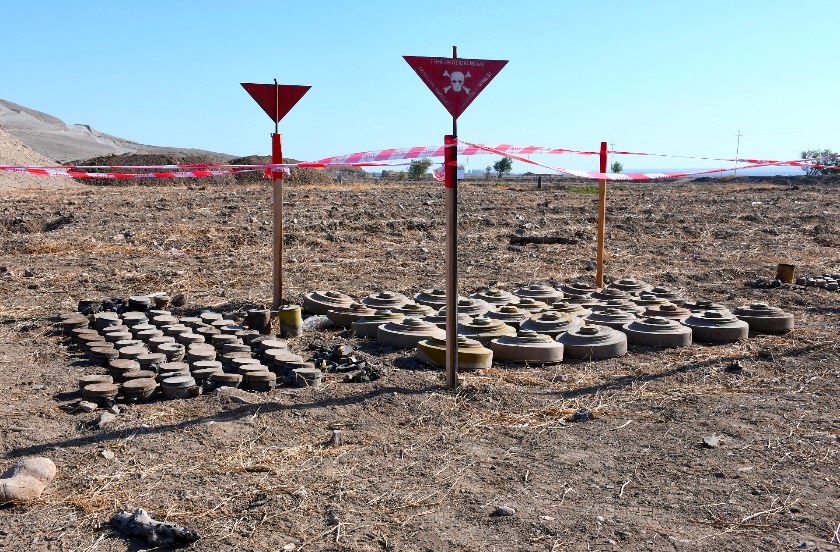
{"x":13,"y":152}
{"x":60,"y":142}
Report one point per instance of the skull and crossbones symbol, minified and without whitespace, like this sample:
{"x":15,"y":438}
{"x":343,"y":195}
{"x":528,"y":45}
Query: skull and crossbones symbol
{"x":456,"y":80}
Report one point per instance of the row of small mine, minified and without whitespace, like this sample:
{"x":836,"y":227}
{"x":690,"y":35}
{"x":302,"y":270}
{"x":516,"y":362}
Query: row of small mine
{"x":144,"y":352}
{"x":541,"y":324}
{"x":827,"y":281}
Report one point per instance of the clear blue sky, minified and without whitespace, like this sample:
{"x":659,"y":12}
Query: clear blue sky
{"x":655,"y":76}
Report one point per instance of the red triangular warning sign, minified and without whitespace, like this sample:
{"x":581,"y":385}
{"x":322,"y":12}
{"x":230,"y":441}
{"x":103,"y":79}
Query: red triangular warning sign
{"x":276,"y":99}
{"x":455,"y":81}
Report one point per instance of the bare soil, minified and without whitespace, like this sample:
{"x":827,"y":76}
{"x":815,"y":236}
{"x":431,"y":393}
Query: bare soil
{"x":419,"y":468}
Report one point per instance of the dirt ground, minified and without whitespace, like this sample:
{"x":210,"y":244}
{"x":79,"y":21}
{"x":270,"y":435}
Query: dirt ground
{"x":419,"y":468}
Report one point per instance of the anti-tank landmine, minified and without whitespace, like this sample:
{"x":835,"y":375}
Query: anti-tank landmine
{"x":527,"y":347}
{"x":406,"y":333}
{"x":763,"y":318}
{"x":472,"y":355}
{"x":611,"y":317}
{"x":716,"y":326}
{"x":593,"y":343}
{"x":657,"y":332}
{"x":551,"y":323}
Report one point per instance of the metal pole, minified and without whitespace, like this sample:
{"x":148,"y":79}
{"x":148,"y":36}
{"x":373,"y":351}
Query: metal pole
{"x":602,"y":213}
{"x":737,"y":152}
{"x":277,"y":199}
{"x":451,"y":200}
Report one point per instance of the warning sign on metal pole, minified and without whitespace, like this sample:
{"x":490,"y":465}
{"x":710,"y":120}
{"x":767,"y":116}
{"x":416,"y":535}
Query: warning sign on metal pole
{"x":455,"y":81}
{"x":276,"y":100}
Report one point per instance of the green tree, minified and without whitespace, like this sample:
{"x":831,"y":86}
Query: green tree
{"x":488,"y":172}
{"x":616,"y":167}
{"x":418,"y":168}
{"x":503,"y":166}
{"x":811,"y":154}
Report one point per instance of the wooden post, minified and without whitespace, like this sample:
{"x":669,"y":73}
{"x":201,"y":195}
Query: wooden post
{"x":602,"y":214}
{"x":451,"y":201}
{"x":277,"y":202}
{"x":277,"y":237}
{"x":276,"y":108}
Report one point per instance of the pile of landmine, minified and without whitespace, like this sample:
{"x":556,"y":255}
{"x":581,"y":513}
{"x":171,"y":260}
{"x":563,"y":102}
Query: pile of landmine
{"x":827,"y":281}
{"x":541,"y":324}
{"x":145,"y":351}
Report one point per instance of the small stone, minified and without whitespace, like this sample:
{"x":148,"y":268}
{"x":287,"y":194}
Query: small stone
{"x":583,"y":415}
{"x":332,"y":517}
{"x":290,"y":547}
{"x":734,"y":366}
{"x":600,"y":519}
{"x":104,"y":419}
{"x":300,"y":493}
{"x":87,"y":406}
{"x":503,"y":511}
{"x":114,"y":409}
{"x":711,"y":441}
{"x":235,"y":396}
{"x":336,"y":437}
{"x":108,"y":454}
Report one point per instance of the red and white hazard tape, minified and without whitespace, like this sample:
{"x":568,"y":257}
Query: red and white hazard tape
{"x":39,"y":171}
{"x":467,"y":148}
{"x":71,"y":171}
{"x":385,"y":158}
{"x":637,"y":176}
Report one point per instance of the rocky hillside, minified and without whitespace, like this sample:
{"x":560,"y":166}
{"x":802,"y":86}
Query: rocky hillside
{"x":13,"y":152}
{"x":61,"y":142}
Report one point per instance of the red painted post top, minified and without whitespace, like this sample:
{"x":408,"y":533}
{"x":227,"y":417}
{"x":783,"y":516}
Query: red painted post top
{"x":603,"y":157}
{"x":277,"y":155}
{"x":455,"y":81}
{"x":450,"y":161}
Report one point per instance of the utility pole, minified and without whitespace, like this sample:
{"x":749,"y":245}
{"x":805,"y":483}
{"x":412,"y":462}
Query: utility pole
{"x":737,"y":151}
{"x":612,"y":149}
